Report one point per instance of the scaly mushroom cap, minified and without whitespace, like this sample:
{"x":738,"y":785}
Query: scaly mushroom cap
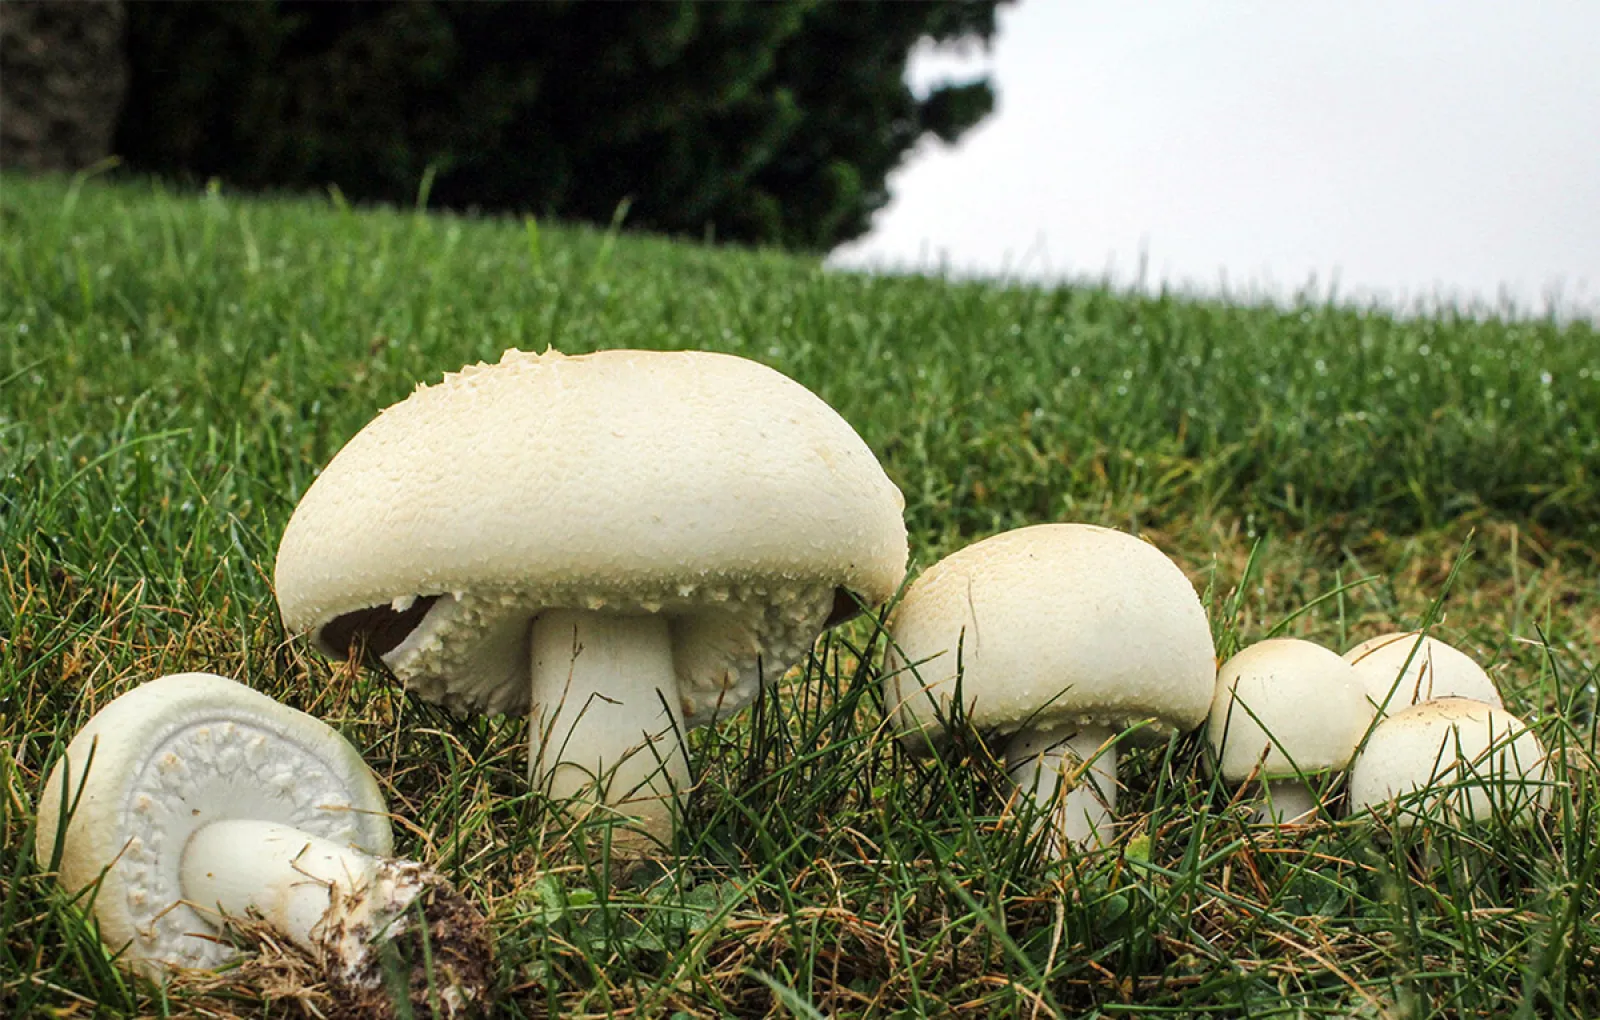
{"x":1480,"y":760}
{"x":1053,"y":624}
{"x":1290,"y":706}
{"x":1432,"y":668}
{"x":706,"y":487}
{"x":169,"y":757}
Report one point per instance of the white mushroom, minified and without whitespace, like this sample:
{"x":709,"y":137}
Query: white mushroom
{"x":620,"y":544}
{"x":1286,"y":711}
{"x":1063,"y":636}
{"x":1452,"y":759}
{"x":1455,"y":762}
{"x":1399,"y":670}
{"x":193,"y":798}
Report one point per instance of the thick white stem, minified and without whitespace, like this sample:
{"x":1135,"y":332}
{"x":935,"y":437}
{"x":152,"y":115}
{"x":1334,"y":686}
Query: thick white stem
{"x":1046,"y":762}
{"x":298,"y":883}
{"x":607,"y":722}
{"x":343,"y":906}
{"x":1286,"y":802}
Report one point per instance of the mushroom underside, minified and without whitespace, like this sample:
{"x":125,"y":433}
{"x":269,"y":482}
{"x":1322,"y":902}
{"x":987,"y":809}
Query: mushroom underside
{"x":469,"y":650}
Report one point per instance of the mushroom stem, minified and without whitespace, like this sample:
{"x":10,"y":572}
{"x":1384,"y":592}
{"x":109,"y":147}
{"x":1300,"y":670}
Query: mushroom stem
{"x":343,"y":906}
{"x":290,"y":878}
{"x":1286,"y":802}
{"x":1042,"y":761}
{"x":607,"y":720}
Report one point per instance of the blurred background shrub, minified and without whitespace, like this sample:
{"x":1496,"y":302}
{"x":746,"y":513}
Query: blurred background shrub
{"x":773,"y":123}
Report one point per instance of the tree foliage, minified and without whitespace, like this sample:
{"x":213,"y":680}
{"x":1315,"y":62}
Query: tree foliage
{"x":757,"y":122}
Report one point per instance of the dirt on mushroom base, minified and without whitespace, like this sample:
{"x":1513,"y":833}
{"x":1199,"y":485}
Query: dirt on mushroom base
{"x":444,"y":966}
{"x":457,"y":942}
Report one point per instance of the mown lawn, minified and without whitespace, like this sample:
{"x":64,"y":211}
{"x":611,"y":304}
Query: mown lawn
{"x":174,"y":370}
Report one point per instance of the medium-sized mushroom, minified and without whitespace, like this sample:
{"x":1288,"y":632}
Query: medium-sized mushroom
{"x":1059,"y":637}
{"x":1404,"y":669}
{"x":192,"y":799}
{"x":1452,"y":760}
{"x":1287,"y":712}
{"x":619,"y":545}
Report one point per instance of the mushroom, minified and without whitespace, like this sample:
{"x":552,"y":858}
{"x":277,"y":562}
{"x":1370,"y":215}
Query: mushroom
{"x":620,"y":545}
{"x":1286,"y":711}
{"x":1409,"y":668}
{"x":192,"y":799}
{"x":1451,"y":759}
{"x":1058,"y":637}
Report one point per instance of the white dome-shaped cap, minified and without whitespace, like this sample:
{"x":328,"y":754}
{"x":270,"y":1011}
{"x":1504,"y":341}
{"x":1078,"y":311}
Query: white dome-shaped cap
{"x":1290,"y":706}
{"x":169,"y":757}
{"x":1480,"y":760}
{"x":1053,"y":624}
{"x":1432,"y":669}
{"x":705,"y":487}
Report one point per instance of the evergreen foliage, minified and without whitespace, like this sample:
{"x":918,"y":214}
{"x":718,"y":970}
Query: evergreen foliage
{"x":771,"y":123}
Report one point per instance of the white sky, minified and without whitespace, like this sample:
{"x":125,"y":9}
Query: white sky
{"x":1403,"y":149}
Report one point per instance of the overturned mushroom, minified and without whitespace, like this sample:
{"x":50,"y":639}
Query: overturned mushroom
{"x":192,"y":799}
{"x":619,"y":544}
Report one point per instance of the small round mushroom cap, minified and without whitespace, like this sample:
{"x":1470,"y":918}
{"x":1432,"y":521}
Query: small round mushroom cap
{"x":1478,"y":759}
{"x":1432,"y":668}
{"x":169,"y":757}
{"x":1290,"y":707}
{"x":705,"y":487}
{"x":1052,"y":625}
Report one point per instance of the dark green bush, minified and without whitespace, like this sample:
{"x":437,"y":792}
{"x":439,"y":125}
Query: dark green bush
{"x":771,"y":123}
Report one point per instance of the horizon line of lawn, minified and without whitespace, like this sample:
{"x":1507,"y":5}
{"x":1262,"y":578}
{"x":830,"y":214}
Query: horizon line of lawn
{"x":1084,"y":400}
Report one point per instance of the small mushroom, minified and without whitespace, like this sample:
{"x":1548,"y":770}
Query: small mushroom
{"x":192,"y":799}
{"x":1287,"y":712}
{"x":619,"y":545}
{"x":1061,"y":636}
{"x":1451,"y":759}
{"x":1406,"y":669}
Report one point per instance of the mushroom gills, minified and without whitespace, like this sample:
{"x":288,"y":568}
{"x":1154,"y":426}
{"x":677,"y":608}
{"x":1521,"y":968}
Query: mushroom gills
{"x":847,"y":605}
{"x":378,"y":630}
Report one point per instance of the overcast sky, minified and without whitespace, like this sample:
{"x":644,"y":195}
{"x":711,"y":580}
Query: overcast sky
{"x":1403,"y":149}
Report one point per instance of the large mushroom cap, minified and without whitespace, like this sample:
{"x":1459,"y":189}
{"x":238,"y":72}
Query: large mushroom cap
{"x":705,"y":487}
{"x":173,"y":755}
{"x":1408,"y":669}
{"x":1480,"y":760}
{"x":1290,"y":707}
{"x":1053,"y":624}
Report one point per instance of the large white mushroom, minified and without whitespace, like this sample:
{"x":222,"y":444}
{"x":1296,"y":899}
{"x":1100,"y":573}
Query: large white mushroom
{"x":192,"y":798}
{"x":1062,"y":636}
{"x":1287,"y":712}
{"x":1404,"y":669}
{"x":620,"y":544}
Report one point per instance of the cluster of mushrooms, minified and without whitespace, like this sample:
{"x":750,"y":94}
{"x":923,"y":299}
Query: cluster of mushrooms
{"x":626,"y":545}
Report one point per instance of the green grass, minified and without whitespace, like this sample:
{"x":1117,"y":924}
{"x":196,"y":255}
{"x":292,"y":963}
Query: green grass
{"x":174,"y":370}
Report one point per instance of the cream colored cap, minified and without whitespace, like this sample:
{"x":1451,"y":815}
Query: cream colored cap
{"x":1479,"y":759}
{"x":1290,"y":706}
{"x":1432,"y":669}
{"x":1053,"y":624}
{"x":705,"y":487}
{"x":175,"y":754}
